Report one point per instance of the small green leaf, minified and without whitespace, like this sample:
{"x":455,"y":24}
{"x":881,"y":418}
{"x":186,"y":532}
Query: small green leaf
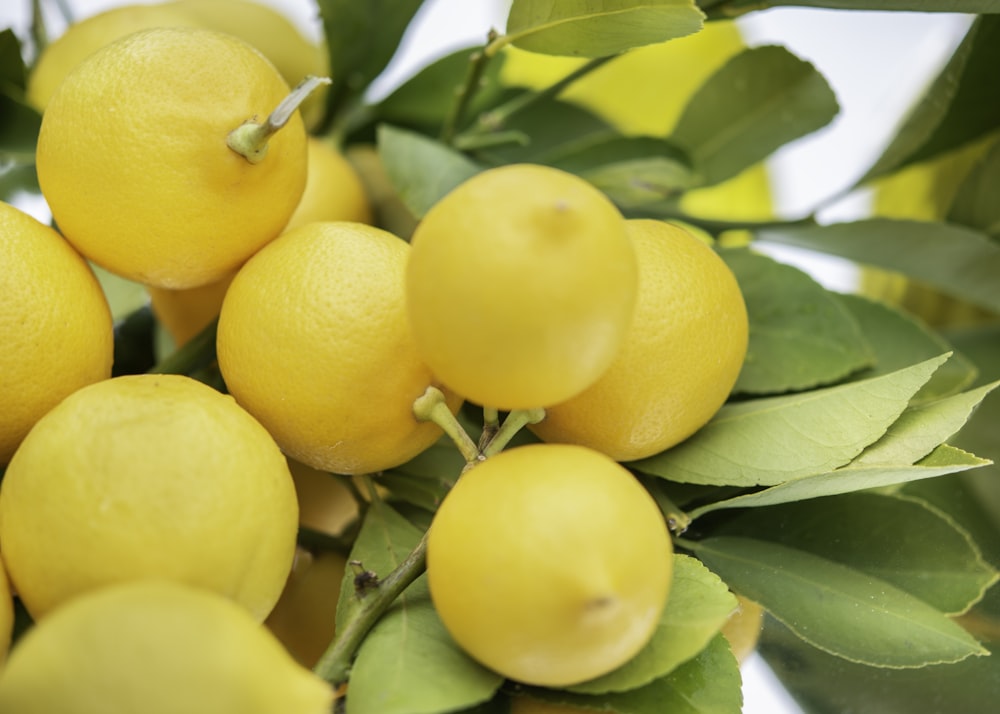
{"x":959,"y":106}
{"x":836,"y":608}
{"x":19,"y":127}
{"x":801,"y":335}
{"x":707,"y":684}
{"x":408,"y":664}
{"x":699,"y":604}
{"x":943,"y":460}
{"x":597,"y":28}
{"x":424,"y":480}
{"x":13,"y":73}
{"x":958,"y":261}
{"x":901,"y":541}
{"x":760,"y":100}
{"x":422,"y":169}
{"x":897,"y":339}
{"x":975,"y":204}
{"x":736,"y":7}
{"x":775,"y":439}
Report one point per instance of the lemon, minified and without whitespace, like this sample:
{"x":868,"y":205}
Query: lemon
{"x":549,"y":563}
{"x":156,"y":647}
{"x":6,"y":613}
{"x":333,"y":192}
{"x":644,"y":92}
{"x":326,"y":504}
{"x":680,"y":358}
{"x":133,"y":159}
{"x":185,"y":313}
{"x":55,"y":322}
{"x":520,"y":286}
{"x":304,"y":618}
{"x":148,"y":475}
{"x":743,"y":628}
{"x":313,"y":341}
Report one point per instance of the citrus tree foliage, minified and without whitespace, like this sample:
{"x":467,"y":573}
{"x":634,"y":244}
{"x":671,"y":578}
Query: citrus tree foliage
{"x":847,"y":486}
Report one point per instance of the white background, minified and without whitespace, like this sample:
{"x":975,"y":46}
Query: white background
{"x":875,"y":62}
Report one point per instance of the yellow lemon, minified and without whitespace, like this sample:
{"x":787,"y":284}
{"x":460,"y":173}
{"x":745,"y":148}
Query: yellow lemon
{"x":148,"y":475}
{"x":156,"y":647}
{"x":520,"y":286}
{"x":334,"y":191}
{"x":6,"y":613}
{"x":313,"y":340}
{"x":55,"y":322}
{"x":549,"y":564}
{"x":680,"y":358}
{"x":133,"y":157}
{"x":743,"y":628}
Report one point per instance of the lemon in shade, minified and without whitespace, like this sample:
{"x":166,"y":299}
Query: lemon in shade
{"x":743,"y":628}
{"x":55,"y":321}
{"x":520,"y":286}
{"x":6,"y":614}
{"x":148,"y":476}
{"x":157,"y":647}
{"x":549,"y":563}
{"x":680,"y":358}
{"x":134,"y":156}
{"x":313,"y":341}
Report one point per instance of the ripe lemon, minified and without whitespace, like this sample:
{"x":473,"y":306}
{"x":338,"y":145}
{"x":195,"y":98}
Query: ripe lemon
{"x":156,"y":647}
{"x":333,"y":192}
{"x":743,"y":628}
{"x":549,"y":564}
{"x":520,"y":286}
{"x":55,"y":322}
{"x":6,"y":613}
{"x":313,"y":341}
{"x":680,"y":359}
{"x":133,"y":161}
{"x":148,"y":475}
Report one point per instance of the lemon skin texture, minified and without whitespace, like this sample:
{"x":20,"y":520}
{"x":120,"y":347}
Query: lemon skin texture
{"x":549,"y":563}
{"x":520,"y":286}
{"x":156,"y":647}
{"x":133,"y":161}
{"x":313,"y":341}
{"x":55,"y":321}
{"x":148,"y":476}
{"x":680,"y":358}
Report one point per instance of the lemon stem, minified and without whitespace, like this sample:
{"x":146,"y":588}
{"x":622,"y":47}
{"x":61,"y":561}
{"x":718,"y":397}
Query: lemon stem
{"x":677,"y":520}
{"x":432,"y":406}
{"x":250,"y":138}
{"x":335,"y":664}
{"x":515,"y":421}
{"x":491,"y":424}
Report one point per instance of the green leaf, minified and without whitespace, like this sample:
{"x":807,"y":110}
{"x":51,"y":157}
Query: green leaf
{"x":898,"y":540}
{"x":597,"y":28}
{"x":408,"y":664}
{"x":737,"y":7}
{"x":975,"y":204}
{"x":707,"y":684}
{"x":943,"y":460}
{"x":13,"y":73}
{"x":699,"y":604}
{"x":758,"y":101}
{"x":922,"y":427}
{"x":361,"y":39}
{"x":775,"y":439}
{"x":19,"y":126}
{"x":897,"y":339}
{"x":959,"y":106}
{"x":801,"y":335}
{"x":425,"y":479}
{"x":958,"y":261}
{"x":836,"y":608}
{"x":422,"y":169}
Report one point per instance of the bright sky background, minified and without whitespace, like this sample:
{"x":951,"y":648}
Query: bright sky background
{"x":875,"y":62}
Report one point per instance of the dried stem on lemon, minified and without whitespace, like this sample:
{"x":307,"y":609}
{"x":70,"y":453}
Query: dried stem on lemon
{"x":250,"y":138}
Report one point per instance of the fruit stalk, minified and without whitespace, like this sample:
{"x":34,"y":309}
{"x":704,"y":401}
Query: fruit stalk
{"x":432,"y":406}
{"x":250,"y":138}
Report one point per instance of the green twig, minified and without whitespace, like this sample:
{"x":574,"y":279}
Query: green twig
{"x":250,"y":138}
{"x":463,"y":95}
{"x":432,"y":406}
{"x":515,"y":421}
{"x":39,"y":34}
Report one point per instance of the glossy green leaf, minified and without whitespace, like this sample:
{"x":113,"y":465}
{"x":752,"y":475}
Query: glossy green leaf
{"x":922,"y":427}
{"x":760,"y":100}
{"x":943,"y":460}
{"x":699,"y":604}
{"x":422,"y":169}
{"x":897,"y":339}
{"x":707,"y":684}
{"x":408,"y":664}
{"x":597,"y":28}
{"x":836,"y":608}
{"x":775,"y":439}
{"x":959,"y":106}
{"x":801,"y":335}
{"x":975,"y":204}
{"x":898,"y":540}
{"x":361,"y":38}
{"x":734,"y":8}
{"x":958,"y":261}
